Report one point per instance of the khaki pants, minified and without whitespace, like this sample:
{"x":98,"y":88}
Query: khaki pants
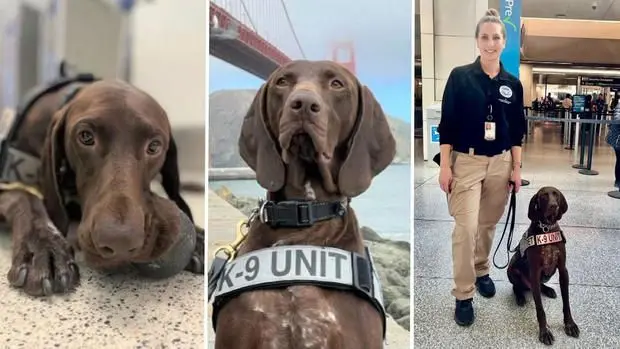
{"x":479,"y":193}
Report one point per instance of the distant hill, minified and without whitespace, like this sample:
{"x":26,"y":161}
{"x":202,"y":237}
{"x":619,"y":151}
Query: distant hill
{"x":227,"y":109}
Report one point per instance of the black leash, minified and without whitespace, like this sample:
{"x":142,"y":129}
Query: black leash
{"x":512,"y":208}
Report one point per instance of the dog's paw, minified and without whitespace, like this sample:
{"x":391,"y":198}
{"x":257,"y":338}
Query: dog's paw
{"x":196,"y":265}
{"x":548,"y":291}
{"x":571,"y":329}
{"x":44,"y":264}
{"x":546,"y":337}
{"x":519,"y":297}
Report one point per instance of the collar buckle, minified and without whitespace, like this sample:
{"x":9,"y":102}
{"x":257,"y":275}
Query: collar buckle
{"x":302,"y":213}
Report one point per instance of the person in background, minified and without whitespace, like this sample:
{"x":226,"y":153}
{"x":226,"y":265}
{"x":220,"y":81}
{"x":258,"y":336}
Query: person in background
{"x":613,"y":139}
{"x":480,"y":134}
{"x":601,"y":106}
{"x":614,"y":102}
{"x":567,"y":104}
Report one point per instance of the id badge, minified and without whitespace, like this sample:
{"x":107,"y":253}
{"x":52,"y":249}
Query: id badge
{"x":489,"y":131}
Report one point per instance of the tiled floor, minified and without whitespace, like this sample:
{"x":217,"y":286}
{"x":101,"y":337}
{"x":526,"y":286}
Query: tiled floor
{"x":592,"y":226}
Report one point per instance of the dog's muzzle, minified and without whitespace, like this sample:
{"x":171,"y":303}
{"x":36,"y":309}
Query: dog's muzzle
{"x":177,"y":257}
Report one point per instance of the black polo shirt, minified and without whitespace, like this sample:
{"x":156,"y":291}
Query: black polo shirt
{"x":465,"y":107}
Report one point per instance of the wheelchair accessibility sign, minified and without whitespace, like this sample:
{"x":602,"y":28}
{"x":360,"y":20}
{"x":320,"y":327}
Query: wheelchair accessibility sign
{"x":434,"y":134}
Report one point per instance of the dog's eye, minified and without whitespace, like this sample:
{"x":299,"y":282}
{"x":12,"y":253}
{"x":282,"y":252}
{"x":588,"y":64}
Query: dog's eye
{"x":86,"y":137}
{"x":153,"y":147}
{"x":336,"y":84}
{"x":281,"y":82}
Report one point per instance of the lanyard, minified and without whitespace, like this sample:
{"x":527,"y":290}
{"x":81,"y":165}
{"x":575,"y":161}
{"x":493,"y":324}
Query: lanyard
{"x":490,"y":115}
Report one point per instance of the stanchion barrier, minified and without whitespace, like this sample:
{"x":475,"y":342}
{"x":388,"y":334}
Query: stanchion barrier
{"x":587,"y":169}
{"x":565,"y":130}
{"x":525,"y":182}
{"x":577,"y":141}
{"x":580,"y":148}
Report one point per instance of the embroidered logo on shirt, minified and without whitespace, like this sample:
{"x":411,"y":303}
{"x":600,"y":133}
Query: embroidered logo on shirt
{"x":505,"y":91}
{"x":505,"y":101}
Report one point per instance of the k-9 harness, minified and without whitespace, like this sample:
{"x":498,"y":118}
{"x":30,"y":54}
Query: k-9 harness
{"x":289,"y":265}
{"x":526,"y":241}
{"x":19,"y":169}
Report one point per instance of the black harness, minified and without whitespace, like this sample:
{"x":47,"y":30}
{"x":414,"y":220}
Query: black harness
{"x":301,"y":214}
{"x":17,"y":165}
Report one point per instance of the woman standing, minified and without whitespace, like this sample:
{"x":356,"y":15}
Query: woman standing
{"x":480,"y":136}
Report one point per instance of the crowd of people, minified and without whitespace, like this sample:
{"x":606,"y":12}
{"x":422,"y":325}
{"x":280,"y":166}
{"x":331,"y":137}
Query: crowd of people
{"x":595,"y":106}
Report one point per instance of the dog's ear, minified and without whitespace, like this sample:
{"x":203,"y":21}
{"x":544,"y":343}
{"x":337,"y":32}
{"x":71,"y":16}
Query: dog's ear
{"x":563,"y":204}
{"x":170,"y":178}
{"x":55,"y":171}
{"x":372,"y":146}
{"x":533,"y":210}
{"x":257,"y":146}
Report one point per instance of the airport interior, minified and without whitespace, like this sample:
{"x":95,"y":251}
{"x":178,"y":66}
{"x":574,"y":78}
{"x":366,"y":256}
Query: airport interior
{"x":566,"y":48}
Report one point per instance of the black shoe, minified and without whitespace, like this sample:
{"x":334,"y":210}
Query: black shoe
{"x":464,"y":312}
{"x":485,"y":286}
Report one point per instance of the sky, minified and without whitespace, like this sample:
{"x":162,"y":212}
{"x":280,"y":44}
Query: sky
{"x":380,"y":31}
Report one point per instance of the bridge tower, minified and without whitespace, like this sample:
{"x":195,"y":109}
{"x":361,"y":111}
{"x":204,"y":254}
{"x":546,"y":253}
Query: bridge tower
{"x":344,"y":53}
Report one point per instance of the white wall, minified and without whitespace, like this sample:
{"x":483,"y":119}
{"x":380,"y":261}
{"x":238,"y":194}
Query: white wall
{"x":169,"y":57}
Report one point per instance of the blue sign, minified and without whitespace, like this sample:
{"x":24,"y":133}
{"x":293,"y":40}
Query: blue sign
{"x":510,"y":13}
{"x":579,"y":103}
{"x":434,"y":134}
{"x":126,"y":5}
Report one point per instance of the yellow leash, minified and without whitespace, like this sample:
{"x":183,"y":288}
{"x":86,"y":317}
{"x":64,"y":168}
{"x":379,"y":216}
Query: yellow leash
{"x":23,"y":187}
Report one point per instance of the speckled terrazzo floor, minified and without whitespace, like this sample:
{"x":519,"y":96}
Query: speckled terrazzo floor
{"x":592,"y":226}
{"x":106,"y":311}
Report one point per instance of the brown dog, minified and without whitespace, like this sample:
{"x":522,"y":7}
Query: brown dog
{"x":99,"y":153}
{"x":541,"y":252}
{"x":312,"y":133}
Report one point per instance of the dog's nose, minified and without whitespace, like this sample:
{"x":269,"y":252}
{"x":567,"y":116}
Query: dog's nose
{"x":113,"y":239}
{"x":305,"y":102}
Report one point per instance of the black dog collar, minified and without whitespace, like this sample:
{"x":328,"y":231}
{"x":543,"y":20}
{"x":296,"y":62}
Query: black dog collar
{"x":296,"y":214}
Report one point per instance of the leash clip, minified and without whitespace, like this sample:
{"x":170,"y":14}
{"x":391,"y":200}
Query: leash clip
{"x":262,"y":213}
{"x":231,"y":249}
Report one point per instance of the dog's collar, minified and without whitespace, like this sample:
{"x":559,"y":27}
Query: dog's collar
{"x":545,"y":228}
{"x":299,"y":214}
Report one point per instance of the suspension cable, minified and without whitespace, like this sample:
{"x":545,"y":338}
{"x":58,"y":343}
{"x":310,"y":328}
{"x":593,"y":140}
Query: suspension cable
{"x":290,"y":23}
{"x":245,"y":8}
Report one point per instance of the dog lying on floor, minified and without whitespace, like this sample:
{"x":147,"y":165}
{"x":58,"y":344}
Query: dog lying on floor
{"x":540,"y":253}
{"x":315,"y":137}
{"x":77,"y":164}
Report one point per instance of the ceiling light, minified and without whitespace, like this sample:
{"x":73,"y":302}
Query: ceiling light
{"x":590,"y":72}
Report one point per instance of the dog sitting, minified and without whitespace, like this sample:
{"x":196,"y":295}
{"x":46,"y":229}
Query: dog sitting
{"x":314,"y":134}
{"x":540,"y":253}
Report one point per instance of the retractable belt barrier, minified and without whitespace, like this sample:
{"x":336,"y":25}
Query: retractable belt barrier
{"x":584,"y":169}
